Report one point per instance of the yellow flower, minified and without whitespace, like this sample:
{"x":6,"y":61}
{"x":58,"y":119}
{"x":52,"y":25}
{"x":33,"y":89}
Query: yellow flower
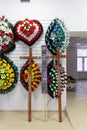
{"x":7,"y":67}
{"x":10,"y":70}
{"x":4,"y":64}
{"x":4,"y":87}
{"x":9,"y":84}
{"x":12,"y":75}
{"x":7,"y":75}
{"x":4,"y":60}
{"x":1,"y":62}
{"x":26,"y":71}
{"x":12,"y":80}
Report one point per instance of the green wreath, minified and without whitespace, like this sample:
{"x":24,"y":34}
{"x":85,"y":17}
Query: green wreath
{"x":8,"y":74}
{"x":53,"y":79}
{"x":57,"y":36}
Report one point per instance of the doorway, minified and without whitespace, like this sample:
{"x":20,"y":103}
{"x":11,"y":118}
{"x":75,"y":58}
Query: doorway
{"x":78,"y":41}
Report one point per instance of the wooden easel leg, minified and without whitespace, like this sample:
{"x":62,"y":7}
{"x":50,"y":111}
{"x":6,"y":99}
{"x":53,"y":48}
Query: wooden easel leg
{"x":29,"y":85}
{"x":60,"y":109}
{"x":29,"y":107}
{"x":45,"y":107}
{"x":59,"y":98}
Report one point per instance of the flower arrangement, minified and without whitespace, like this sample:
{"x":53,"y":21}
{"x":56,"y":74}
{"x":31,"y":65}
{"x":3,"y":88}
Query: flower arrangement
{"x":53,"y":79}
{"x":8,"y":74}
{"x":36,"y":75}
{"x":28,"y":30}
{"x":7,"y":38}
{"x":57,"y":36}
{"x":27,"y":27}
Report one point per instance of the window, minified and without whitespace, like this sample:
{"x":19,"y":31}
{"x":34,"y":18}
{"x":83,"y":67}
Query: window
{"x":82,"y":60}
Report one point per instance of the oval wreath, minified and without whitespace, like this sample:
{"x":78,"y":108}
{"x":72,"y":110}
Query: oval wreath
{"x":57,"y":36}
{"x":7,"y":38}
{"x":53,"y":79}
{"x":36,"y":75}
{"x":8,"y":74}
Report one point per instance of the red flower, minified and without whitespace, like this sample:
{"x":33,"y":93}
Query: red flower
{"x":2,"y":33}
{"x":10,"y":35}
{"x":4,"y":47}
{"x":31,"y":21}
{"x":21,"y":22}
{"x":26,"y":19}
{"x":26,"y":24}
{"x":33,"y":27}
{"x":25,"y":76}
{"x":2,"y":18}
{"x":24,"y":31}
{"x":27,"y":34}
{"x":31,"y":31}
{"x":21,"y":29}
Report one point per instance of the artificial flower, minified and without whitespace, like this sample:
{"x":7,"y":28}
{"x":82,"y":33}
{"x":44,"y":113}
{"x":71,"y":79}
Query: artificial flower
{"x":8,"y":74}
{"x":7,"y":38}
{"x":36,"y":75}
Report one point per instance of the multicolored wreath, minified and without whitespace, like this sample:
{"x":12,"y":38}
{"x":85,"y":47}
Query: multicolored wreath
{"x":57,"y":36}
{"x":36,"y":75}
{"x":53,"y":79}
{"x":8,"y":74}
{"x":7,"y":38}
{"x":28,"y":30}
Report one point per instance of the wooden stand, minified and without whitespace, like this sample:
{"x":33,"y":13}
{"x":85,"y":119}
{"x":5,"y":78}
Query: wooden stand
{"x":45,"y":110}
{"x":30,"y":57}
{"x":44,"y":81}
{"x":58,"y":57}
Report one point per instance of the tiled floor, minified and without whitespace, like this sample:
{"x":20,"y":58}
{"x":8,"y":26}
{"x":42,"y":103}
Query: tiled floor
{"x":75,"y":117}
{"x":18,"y":121}
{"x":77,"y":106}
{"x":81,"y":89}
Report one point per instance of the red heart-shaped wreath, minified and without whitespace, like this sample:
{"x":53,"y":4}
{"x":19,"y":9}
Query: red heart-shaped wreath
{"x":28,"y":30}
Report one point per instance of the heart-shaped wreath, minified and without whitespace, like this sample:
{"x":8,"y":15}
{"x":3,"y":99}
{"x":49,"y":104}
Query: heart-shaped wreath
{"x":8,"y":74}
{"x":7,"y":38}
{"x":28,"y":30}
{"x":57,"y":36}
{"x":36,"y":75}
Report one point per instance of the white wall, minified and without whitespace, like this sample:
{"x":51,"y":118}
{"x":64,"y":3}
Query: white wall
{"x":73,"y":12}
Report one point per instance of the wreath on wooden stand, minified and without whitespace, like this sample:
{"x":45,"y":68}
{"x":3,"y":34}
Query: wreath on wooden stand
{"x":53,"y":79}
{"x":36,"y":75}
{"x":57,"y":36}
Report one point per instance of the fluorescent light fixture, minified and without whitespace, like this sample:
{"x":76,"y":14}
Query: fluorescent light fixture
{"x":24,"y":1}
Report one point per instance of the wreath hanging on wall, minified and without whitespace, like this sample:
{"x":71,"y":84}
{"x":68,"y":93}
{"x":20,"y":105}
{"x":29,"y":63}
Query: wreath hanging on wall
{"x":52,"y":75}
{"x":28,"y":31}
{"x":7,"y":38}
{"x":36,"y":75}
{"x":8,"y":74}
{"x":57,"y":36}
